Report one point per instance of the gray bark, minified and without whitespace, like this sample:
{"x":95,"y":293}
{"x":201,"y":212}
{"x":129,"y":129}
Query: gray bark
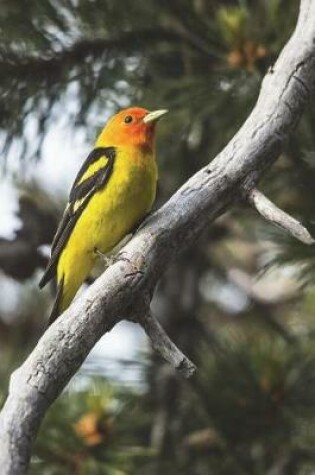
{"x":276,"y":216}
{"x":120,"y":292}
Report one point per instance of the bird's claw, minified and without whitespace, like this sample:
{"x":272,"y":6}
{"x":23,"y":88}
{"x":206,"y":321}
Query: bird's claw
{"x":120,"y":257}
{"x":108,"y":260}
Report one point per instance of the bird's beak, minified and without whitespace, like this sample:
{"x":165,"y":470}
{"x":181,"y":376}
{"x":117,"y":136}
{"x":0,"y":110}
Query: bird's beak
{"x":154,"y":116}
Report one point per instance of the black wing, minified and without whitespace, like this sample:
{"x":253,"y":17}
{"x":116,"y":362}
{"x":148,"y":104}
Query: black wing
{"x":80,"y":195}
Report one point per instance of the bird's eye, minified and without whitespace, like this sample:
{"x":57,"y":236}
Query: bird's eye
{"x":128,"y":119}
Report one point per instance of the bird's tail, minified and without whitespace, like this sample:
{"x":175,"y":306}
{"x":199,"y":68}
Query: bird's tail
{"x":69,"y":284}
{"x":57,"y":307}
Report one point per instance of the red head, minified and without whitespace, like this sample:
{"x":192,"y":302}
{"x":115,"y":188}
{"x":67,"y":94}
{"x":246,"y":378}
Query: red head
{"x":134,"y":126}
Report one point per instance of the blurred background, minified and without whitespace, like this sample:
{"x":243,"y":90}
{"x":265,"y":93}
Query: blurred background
{"x":240,"y":303}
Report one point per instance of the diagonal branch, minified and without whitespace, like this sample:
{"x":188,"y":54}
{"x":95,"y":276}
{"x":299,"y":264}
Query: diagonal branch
{"x":164,"y":345}
{"x":62,"y":349}
{"x":275,"y":215}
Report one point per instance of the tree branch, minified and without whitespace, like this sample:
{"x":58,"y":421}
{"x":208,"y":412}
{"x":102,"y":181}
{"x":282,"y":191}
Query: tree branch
{"x":164,"y":345}
{"x":275,"y":215}
{"x":62,"y":349}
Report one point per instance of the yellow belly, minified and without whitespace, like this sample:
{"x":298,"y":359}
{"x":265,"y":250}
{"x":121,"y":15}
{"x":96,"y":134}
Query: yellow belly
{"x":110,"y":215}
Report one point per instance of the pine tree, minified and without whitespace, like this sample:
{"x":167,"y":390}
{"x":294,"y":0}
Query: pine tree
{"x":251,"y":408}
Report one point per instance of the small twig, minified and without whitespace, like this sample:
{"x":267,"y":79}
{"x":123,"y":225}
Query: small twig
{"x":276,"y":216}
{"x":165,"y":346}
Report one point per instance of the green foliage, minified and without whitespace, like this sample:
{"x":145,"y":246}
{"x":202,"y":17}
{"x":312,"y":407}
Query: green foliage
{"x":103,"y":56}
{"x":250,"y":409}
{"x":94,"y":430}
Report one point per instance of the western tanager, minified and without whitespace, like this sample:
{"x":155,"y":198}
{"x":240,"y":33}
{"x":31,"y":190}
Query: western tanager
{"x":113,"y":191}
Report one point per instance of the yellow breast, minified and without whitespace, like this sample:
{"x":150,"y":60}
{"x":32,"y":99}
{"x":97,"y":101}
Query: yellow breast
{"x":111,"y":214}
{"x":126,"y":199}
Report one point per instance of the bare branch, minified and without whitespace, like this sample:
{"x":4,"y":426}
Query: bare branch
{"x":275,"y":215}
{"x":62,"y":349}
{"x":164,"y":345}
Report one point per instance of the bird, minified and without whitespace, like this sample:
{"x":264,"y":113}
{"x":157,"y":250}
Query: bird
{"x":112,"y":193}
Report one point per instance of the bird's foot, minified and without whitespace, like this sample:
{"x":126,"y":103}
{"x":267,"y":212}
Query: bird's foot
{"x":136,"y":266}
{"x":107,"y":260}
